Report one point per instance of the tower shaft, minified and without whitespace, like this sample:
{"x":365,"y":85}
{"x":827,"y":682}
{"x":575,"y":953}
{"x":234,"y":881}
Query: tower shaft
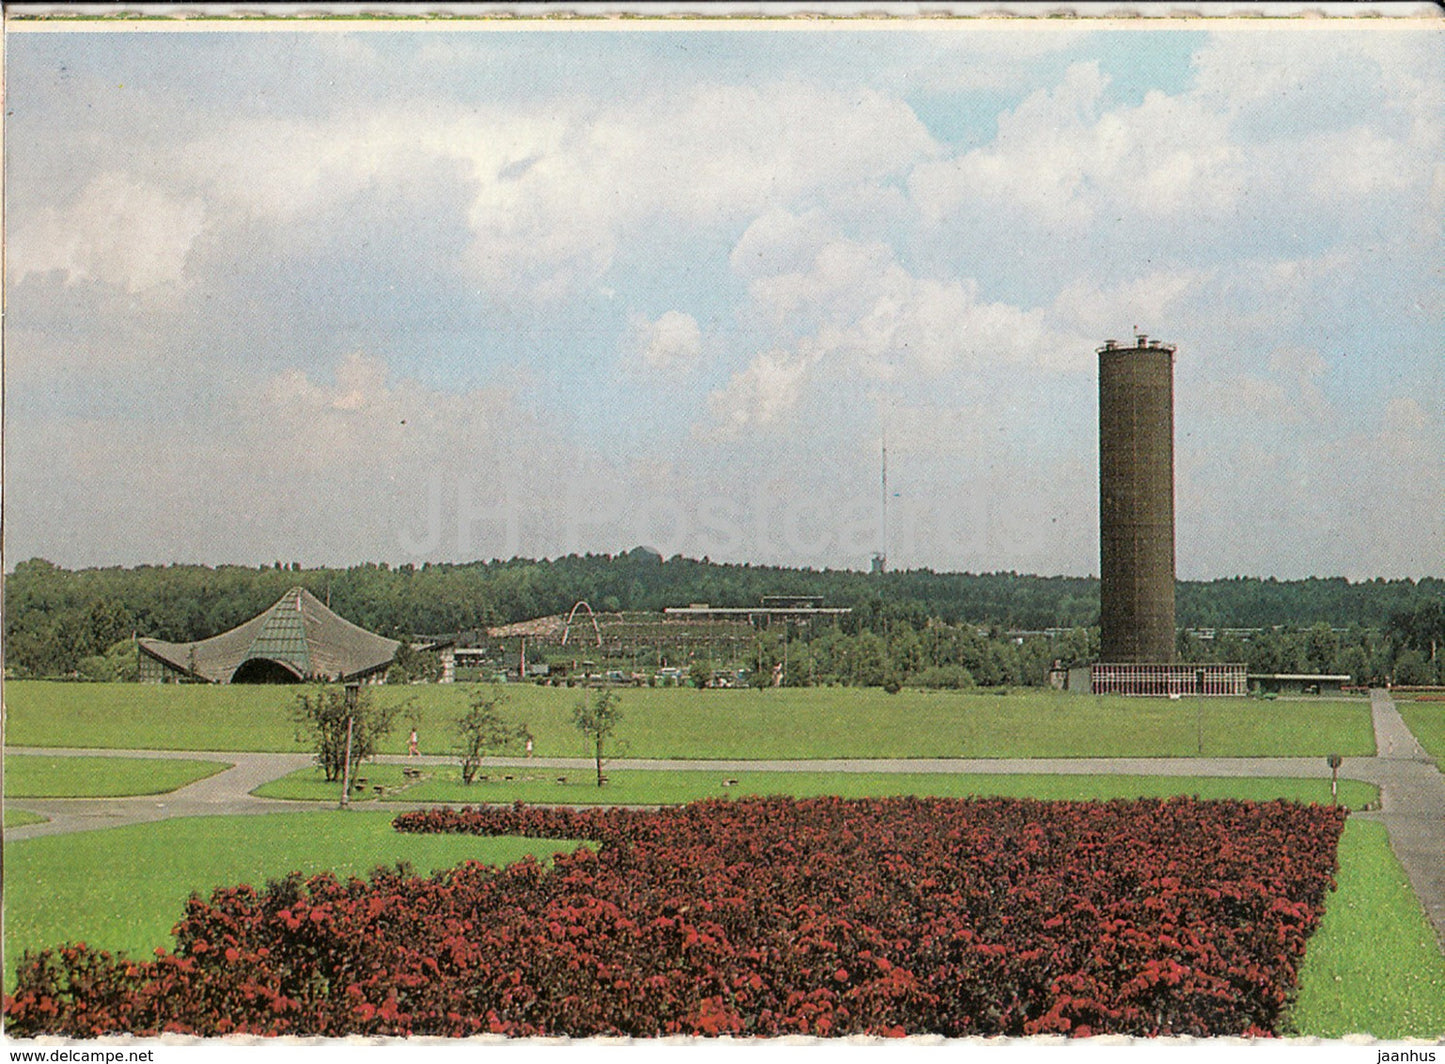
{"x":1136,"y":502}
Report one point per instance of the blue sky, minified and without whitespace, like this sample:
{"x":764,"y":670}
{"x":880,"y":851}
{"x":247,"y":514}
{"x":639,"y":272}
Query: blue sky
{"x":386,"y":294}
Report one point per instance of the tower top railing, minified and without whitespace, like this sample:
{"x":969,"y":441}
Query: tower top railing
{"x":1141,"y":343}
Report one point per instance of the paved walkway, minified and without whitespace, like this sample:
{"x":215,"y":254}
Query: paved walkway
{"x":1412,"y":788}
{"x":1413,"y":807}
{"x":228,"y":792}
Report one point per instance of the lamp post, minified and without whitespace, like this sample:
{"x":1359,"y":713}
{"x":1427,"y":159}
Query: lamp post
{"x":1334,"y":761}
{"x":353,"y":692}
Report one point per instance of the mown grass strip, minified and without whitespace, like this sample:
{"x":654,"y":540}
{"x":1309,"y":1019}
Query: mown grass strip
{"x":1427,"y":721}
{"x":801,"y":723}
{"x":124,"y":888}
{"x":1374,"y":966}
{"x":666,"y":787}
{"x":38,"y":776}
{"x":18,"y":818}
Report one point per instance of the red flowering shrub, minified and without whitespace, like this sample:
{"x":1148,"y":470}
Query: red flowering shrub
{"x":758,"y":917}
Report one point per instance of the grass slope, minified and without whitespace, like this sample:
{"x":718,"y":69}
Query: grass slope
{"x":124,"y":888}
{"x":36,"y":776}
{"x":682,"y":723}
{"x":656,"y":787}
{"x":1374,"y":966}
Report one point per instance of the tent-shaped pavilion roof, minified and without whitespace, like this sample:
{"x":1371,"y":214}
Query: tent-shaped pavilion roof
{"x":298,"y":638}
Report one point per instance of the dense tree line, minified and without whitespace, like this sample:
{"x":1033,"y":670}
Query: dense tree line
{"x":942,"y":655}
{"x":58,"y":619}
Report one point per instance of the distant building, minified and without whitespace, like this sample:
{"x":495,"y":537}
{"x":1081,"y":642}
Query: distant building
{"x":772,"y":608}
{"x":296,"y":640}
{"x":1167,"y":678}
{"x":645,"y":642}
{"x":1298,"y":683}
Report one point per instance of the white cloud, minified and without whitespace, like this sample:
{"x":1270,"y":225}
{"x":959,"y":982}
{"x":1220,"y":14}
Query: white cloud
{"x":868,"y":319}
{"x":779,"y":242}
{"x":672,"y":343}
{"x":1289,"y":500}
{"x":1291,"y":195}
{"x":363,"y":416}
{"x":555,"y":188}
{"x":1061,"y":161}
{"x":121,"y":231}
{"x":1102,"y":310}
{"x":758,"y":395}
{"x":983,"y":58}
{"x":1276,"y":400}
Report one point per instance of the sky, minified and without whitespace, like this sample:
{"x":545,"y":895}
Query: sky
{"x":337,"y":295}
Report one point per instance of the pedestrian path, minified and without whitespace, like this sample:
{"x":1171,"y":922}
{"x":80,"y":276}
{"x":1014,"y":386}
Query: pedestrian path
{"x":227,"y":792}
{"x":1393,"y":738}
{"x":1412,"y":807}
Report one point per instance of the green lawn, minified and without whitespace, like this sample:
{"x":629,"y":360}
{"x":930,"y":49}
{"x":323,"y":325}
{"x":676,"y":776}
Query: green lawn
{"x":1427,"y":721}
{"x":683,"y":723}
{"x":36,"y":776}
{"x":656,"y":787}
{"x":1374,"y":966}
{"x":18,"y":818}
{"x":124,"y":888}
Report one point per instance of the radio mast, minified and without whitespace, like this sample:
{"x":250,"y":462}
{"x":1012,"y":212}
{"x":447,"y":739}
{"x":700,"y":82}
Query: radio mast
{"x":880,"y":560}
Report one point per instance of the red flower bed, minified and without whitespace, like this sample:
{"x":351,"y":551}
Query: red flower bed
{"x":759,"y":917}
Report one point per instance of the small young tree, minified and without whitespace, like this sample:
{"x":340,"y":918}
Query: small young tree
{"x":321,"y":715}
{"x":597,"y":720}
{"x":482,"y":731}
{"x":700,"y":673}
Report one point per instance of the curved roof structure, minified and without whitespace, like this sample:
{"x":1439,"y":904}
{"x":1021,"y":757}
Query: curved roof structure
{"x":298,"y":638}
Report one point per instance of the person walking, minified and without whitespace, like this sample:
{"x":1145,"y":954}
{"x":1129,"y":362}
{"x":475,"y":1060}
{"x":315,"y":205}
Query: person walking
{"x":411,"y":745}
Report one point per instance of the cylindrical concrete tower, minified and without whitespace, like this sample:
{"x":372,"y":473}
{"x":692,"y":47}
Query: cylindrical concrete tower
{"x":1136,"y":501}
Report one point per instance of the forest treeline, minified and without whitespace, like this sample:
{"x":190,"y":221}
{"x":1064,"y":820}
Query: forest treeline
{"x":57,"y":618}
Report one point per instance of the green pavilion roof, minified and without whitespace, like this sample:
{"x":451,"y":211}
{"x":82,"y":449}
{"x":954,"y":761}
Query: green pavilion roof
{"x":297,"y":638}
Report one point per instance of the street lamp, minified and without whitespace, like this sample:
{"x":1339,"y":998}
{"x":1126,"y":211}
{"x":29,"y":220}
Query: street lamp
{"x":353,"y":693}
{"x":1334,"y":761}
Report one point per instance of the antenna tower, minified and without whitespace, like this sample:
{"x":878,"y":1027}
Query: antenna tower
{"x":880,"y":560}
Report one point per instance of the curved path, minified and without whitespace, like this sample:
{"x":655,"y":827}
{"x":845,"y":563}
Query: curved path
{"x":1412,"y":787}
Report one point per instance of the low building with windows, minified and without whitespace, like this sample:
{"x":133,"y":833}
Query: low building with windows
{"x":1170,"y":679}
{"x":1298,"y":683}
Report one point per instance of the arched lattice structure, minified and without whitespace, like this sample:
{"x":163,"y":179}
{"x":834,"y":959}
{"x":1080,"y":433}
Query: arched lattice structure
{"x":567,"y":628}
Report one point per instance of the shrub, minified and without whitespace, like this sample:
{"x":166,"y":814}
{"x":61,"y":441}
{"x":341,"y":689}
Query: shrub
{"x":754,"y":917}
{"x":944,"y":677}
